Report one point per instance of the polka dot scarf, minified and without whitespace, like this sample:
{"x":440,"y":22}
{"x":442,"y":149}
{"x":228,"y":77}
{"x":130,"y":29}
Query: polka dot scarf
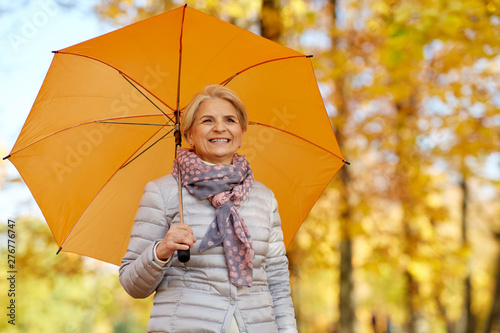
{"x":226,"y":186}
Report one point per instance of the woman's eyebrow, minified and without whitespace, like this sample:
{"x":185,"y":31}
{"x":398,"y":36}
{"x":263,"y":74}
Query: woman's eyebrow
{"x":206,"y":116}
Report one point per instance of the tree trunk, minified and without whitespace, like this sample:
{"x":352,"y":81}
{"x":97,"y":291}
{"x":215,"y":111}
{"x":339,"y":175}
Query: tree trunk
{"x":494,"y":314}
{"x":406,"y":114}
{"x":412,"y":313}
{"x":411,"y":284}
{"x":270,"y":21}
{"x":346,"y":305}
{"x":450,"y":326}
{"x":468,"y":319}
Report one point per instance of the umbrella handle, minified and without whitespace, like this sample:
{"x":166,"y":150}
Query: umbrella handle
{"x":183,"y":255}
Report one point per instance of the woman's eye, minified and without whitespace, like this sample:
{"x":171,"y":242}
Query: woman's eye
{"x":206,"y":121}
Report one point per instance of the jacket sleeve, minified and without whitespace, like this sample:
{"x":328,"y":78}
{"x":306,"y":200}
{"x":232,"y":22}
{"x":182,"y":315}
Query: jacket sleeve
{"x":278,"y":276}
{"x":139,"y":274}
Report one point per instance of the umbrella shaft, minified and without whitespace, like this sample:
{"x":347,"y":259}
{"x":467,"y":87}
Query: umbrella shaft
{"x":181,"y":215}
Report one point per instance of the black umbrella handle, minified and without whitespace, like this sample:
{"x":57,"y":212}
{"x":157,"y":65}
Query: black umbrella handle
{"x":183,"y":255}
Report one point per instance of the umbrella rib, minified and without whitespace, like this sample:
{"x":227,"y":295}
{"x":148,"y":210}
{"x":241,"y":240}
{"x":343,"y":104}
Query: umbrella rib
{"x":177,"y":112}
{"x":125,"y":123}
{"x":225,"y":82}
{"x":142,"y":152}
{"x":82,"y":124}
{"x":180,"y":60}
{"x":301,"y":138}
{"x":146,"y":97}
{"x":102,"y":187}
{"x":116,"y":69}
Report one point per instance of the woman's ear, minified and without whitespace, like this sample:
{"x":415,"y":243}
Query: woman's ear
{"x":189,"y":138}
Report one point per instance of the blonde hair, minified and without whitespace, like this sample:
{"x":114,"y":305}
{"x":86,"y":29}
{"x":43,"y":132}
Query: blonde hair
{"x":213,"y":91}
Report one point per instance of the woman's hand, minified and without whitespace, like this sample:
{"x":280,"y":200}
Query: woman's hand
{"x":178,"y":237}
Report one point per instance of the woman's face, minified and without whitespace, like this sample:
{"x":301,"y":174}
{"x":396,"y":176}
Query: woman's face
{"x":216,"y":133}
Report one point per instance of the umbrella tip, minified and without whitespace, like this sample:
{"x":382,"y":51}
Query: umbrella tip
{"x":59,"y":250}
{"x":55,"y":51}
{"x":346,"y":162}
{"x":309,"y":56}
{"x":6,"y":157}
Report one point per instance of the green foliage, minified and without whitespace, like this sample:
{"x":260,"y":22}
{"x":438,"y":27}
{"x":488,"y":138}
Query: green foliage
{"x":65,"y":292}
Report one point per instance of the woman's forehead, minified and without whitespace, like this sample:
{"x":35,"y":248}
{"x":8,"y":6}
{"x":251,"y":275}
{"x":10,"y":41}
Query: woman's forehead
{"x":216,"y":107}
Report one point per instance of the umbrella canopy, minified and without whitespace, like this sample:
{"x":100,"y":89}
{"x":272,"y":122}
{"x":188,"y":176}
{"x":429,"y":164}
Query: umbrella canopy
{"x":102,"y":124}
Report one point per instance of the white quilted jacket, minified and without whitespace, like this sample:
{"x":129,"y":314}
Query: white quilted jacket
{"x":197,"y":296}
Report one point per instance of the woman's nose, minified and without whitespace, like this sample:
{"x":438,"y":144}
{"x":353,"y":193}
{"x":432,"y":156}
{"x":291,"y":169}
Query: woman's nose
{"x":219,"y":126}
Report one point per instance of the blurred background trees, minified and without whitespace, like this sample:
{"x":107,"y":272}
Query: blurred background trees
{"x":65,"y":293}
{"x":403,"y":240}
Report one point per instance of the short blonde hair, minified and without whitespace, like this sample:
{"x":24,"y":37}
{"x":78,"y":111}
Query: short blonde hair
{"x":213,"y":91}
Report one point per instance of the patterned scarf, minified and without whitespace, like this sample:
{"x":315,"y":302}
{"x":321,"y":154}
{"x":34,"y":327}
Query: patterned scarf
{"x":226,"y":186}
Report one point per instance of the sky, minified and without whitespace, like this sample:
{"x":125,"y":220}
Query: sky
{"x":29,"y":32}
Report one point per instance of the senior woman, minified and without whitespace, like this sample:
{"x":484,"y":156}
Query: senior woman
{"x":237,"y":279}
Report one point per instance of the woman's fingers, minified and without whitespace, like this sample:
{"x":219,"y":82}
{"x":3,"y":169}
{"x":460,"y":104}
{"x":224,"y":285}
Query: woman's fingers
{"x":178,"y":237}
{"x":182,"y":234}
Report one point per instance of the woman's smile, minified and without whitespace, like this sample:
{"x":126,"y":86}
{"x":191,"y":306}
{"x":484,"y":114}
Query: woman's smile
{"x":219,"y":140}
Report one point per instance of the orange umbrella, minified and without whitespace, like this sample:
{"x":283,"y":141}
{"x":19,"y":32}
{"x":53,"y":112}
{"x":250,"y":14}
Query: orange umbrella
{"x":102,"y":124}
